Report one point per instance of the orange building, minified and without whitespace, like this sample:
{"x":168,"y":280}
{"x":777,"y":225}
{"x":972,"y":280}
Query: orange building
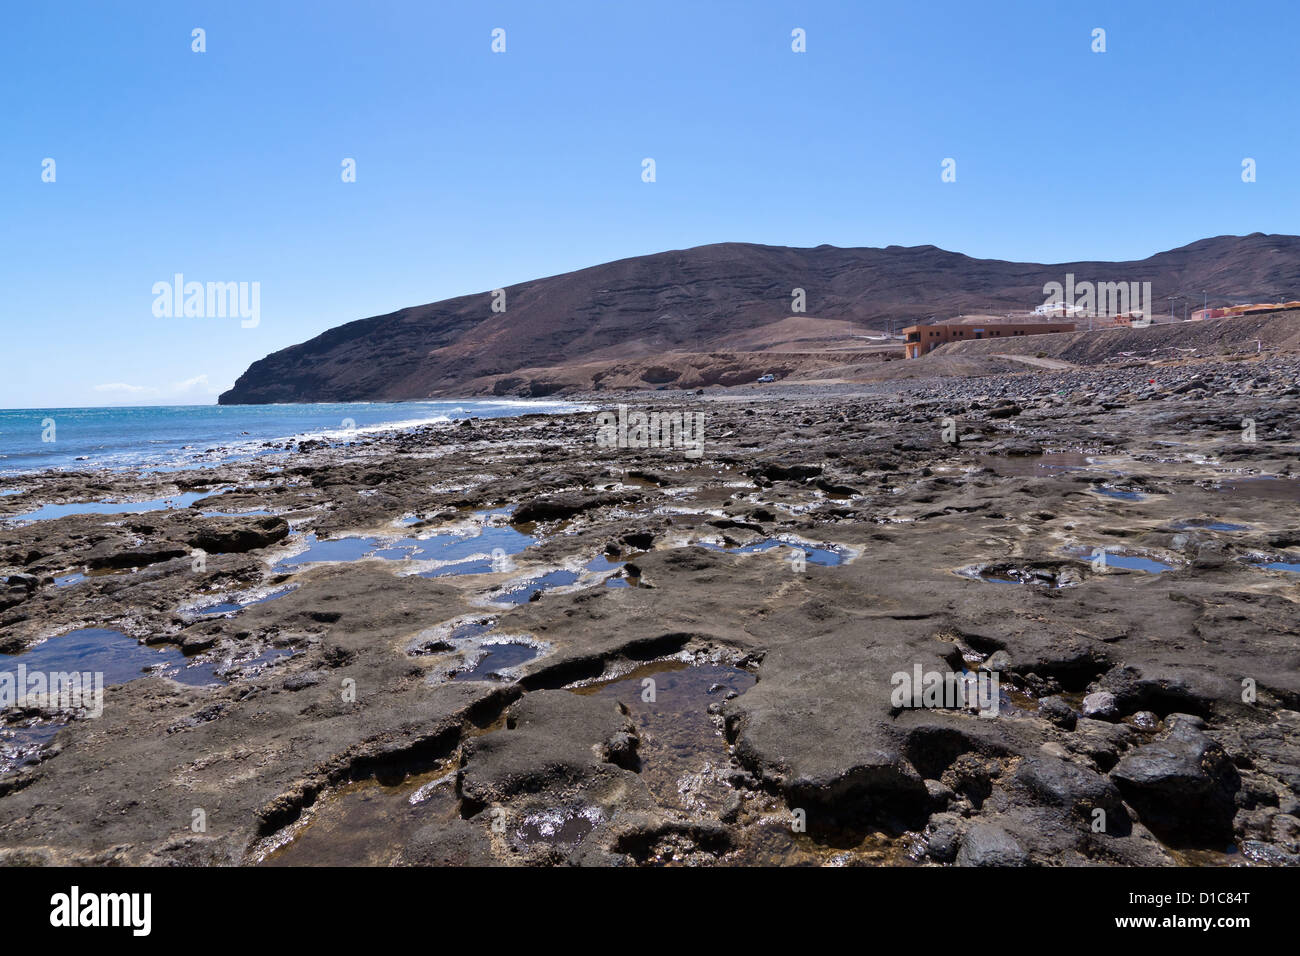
{"x":920,"y":339}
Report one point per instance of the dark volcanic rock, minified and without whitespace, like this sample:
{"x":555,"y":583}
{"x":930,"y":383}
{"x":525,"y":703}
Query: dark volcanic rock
{"x":1100,"y":705}
{"x":1017,"y":447}
{"x":943,"y":837}
{"x":238,"y":536}
{"x":17,"y":588}
{"x":1068,"y":785}
{"x":453,"y":843}
{"x":1183,"y":784}
{"x":542,"y":767}
{"x":559,"y":507}
{"x":1165,"y":689}
{"x":818,"y":725}
{"x":553,"y":739}
{"x":791,"y":472}
{"x":112,"y":555}
{"x":1058,"y":712}
{"x":988,"y":845}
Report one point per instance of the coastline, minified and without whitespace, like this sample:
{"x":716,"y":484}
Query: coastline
{"x":185,"y":437}
{"x":374,"y":561}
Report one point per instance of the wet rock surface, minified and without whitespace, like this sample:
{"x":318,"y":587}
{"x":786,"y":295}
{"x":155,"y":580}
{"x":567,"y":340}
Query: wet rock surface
{"x":1183,"y":785}
{"x":771,"y":592}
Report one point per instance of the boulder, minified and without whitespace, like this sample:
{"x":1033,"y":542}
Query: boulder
{"x":1100,"y":706}
{"x":553,"y":740}
{"x":1183,"y":784}
{"x":989,"y":845}
{"x":239,"y":535}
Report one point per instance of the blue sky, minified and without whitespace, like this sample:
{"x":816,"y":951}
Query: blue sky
{"x":477,"y":170}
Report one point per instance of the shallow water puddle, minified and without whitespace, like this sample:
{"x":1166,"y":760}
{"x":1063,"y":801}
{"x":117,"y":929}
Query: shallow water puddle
{"x":120,"y":659}
{"x":772,"y":842}
{"x":76,"y":577}
{"x":475,"y":566}
{"x":604,"y":564}
{"x":684,"y":756}
{"x":112,"y":655}
{"x":455,"y":553}
{"x":1120,"y":493}
{"x":329,"y":550}
{"x":994,"y":577}
{"x":1135,"y":562}
{"x":1015,"y":702}
{"x":1207,"y":524}
{"x":364,"y":823}
{"x":564,"y":826}
{"x":473,"y":651}
{"x":1229,"y":856}
{"x":20,"y":746}
{"x":499,"y":657}
{"x":218,"y":609}
{"x":207,"y":672}
{"x":1102,"y":558}
{"x":1282,"y":566}
{"x":468,"y":629}
{"x":97,"y":650}
{"x":529,"y":589}
{"x":438,"y":640}
{"x":1002,"y":573}
{"x":369,"y":822}
{"x":824,"y":556}
{"x":47,"y":512}
{"x":221,"y":608}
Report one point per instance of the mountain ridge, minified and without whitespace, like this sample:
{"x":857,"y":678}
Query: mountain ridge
{"x":646,"y":315}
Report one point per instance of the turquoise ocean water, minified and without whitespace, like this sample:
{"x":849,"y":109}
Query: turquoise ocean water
{"x":189,"y":436}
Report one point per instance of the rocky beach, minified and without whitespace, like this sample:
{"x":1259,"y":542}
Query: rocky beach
{"x":501,"y":642}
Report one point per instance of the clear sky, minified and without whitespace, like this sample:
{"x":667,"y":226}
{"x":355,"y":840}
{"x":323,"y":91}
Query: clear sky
{"x":477,"y":169}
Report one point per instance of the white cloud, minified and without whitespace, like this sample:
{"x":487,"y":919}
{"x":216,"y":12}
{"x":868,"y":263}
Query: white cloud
{"x":124,"y":388}
{"x":197,"y":383}
{"x":190,"y":388}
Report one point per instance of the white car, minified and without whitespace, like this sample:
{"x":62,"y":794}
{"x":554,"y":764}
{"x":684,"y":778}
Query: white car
{"x":762,"y":379}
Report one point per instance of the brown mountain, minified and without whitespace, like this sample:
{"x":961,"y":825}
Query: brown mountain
{"x":717,"y":314}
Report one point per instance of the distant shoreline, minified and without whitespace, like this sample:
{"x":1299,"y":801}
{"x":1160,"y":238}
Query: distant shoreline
{"x":183,"y":437}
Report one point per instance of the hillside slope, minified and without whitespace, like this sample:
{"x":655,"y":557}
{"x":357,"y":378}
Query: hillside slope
{"x":681,"y":305}
{"x":1279,"y":330}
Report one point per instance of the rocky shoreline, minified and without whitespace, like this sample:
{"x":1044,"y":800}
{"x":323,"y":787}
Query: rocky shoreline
{"x":433,"y":647}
